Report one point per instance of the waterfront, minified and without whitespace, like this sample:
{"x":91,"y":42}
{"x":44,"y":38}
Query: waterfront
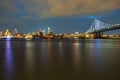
{"x":84,"y":59}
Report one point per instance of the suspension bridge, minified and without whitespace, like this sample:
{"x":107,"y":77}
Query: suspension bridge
{"x":98,"y":28}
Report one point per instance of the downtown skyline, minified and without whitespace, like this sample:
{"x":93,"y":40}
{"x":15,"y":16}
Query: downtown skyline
{"x":62,"y":16}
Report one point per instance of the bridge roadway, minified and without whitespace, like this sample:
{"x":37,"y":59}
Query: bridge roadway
{"x":98,"y":33}
{"x":113,"y":27}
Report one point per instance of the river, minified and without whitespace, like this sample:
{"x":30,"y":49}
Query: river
{"x":60,"y":59}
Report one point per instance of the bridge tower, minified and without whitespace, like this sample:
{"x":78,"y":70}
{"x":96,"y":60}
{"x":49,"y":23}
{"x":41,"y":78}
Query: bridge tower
{"x":96,"y":28}
{"x":98,"y":35}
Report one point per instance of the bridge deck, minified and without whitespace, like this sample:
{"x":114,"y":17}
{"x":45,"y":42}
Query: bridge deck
{"x":106,"y":29}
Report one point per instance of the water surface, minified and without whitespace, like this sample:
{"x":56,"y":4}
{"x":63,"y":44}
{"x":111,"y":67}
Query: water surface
{"x":59,"y":59}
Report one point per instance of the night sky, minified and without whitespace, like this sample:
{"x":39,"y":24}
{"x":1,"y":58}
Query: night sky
{"x":62,"y":16}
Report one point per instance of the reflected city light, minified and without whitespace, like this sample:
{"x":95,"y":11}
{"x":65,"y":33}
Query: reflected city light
{"x":42,"y":51}
{"x":8,"y":37}
{"x":9,"y":59}
{"x":76,"y":54}
{"x":48,"y":46}
{"x":8,"y":54}
{"x":49,"y":51}
{"x":60,"y":44}
{"x":97,"y":56}
{"x":29,"y":54}
{"x":60,"y":50}
{"x":29,"y":59}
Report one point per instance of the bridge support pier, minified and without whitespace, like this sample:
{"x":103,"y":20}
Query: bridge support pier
{"x":98,"y":35}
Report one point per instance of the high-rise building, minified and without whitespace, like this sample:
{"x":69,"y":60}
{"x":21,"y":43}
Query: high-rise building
{"x":15,"y":33}
{"x":49,"y":30}
{"x":43,"y":31}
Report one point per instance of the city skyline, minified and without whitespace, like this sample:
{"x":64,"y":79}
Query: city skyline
{"x":62,"y":16}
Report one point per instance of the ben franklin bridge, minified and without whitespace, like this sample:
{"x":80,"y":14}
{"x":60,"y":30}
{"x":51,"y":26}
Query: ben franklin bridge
{"x":98,"y":28}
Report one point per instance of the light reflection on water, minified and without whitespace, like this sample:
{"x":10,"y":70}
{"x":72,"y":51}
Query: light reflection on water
{"x":67,"y":59}
{"x":60,"y":51}
{"x":76,"y":54}
{"x":29,"y":54}
{"x":9,"y":64}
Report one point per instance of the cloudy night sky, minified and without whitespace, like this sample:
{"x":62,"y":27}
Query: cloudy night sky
{"x":62,"y":16}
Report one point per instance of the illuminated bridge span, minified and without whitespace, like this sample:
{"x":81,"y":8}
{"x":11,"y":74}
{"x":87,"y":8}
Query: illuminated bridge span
{"x":98,"y":27}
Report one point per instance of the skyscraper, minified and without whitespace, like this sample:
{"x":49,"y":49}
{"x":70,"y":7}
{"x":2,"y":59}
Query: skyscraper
{"x":15,"y":33}
{"x":49,"y":30}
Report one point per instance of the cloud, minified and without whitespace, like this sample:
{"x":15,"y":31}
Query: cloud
{"x":56,"y":8}
{"x":47,"y":8}
{"x":34,"y":6}
{"x":7,"y":7}
{"x":79,"y":7}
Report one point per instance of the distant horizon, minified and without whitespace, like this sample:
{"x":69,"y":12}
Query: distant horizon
{"x":41,"y":29}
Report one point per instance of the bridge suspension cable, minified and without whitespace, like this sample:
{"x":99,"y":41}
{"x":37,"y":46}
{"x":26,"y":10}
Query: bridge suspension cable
{"x":97,"y":25}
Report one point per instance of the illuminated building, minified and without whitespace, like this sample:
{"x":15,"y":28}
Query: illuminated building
{"x":49,"y":30}
{"x":1,"y":33}
{"x":29,"y":36}
{"x":43,"y":31}
{"x":15,"y":33}
{"x":7,"y":33}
